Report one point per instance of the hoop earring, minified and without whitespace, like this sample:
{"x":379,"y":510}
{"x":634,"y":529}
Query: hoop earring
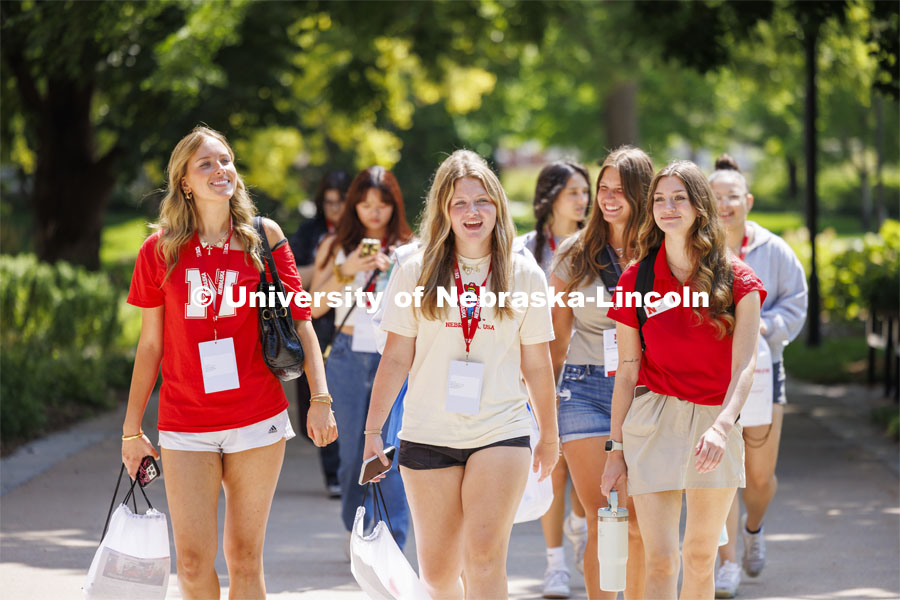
{"x":188,"y":194}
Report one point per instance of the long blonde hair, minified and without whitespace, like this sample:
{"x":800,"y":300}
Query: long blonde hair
{"x":712,"y":271}
{"x":178,"y":217}
{"x":437,"y":236}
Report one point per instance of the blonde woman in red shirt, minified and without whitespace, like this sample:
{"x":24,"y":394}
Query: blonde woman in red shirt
{"x":676,"y":403}
{"x":227,"y":427}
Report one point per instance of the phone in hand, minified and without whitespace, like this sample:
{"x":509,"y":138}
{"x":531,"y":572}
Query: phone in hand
{"x":369,"y":247}
{"x":148,"y":472}
{"x":372,"y":467}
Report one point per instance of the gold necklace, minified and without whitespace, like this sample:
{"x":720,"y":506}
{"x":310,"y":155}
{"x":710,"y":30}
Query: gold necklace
{"x":468,"y":269}
{"x":217,"y":244}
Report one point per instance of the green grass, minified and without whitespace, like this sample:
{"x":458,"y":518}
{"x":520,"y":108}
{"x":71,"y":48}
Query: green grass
{"x":122,"y":240}
{"x":836,"y":360}
{"x":781,"y":222}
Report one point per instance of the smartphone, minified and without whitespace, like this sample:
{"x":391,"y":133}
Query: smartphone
{"x":148,"y":472}
{"x":372,"y":468}
{"x":369,"y":247}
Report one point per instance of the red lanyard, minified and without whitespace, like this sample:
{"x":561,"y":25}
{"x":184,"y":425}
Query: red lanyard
{"x":743,"y":254}
{"x":469,"y":325}
{"x":219,"y":288}
{"x":371,"y":287}
{"x":552,"y":242}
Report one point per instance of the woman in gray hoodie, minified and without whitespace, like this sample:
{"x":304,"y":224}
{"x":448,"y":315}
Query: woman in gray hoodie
{"x":782,"y":316}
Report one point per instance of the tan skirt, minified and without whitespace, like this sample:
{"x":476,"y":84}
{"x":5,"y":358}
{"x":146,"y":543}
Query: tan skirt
{"x":659,"y":435}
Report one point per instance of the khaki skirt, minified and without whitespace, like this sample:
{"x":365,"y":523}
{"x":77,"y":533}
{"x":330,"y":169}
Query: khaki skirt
{"x":659,"y":435}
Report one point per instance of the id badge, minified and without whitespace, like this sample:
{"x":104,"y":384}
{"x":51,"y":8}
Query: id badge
{"x":610,"y":352}
{"x":464,"y":387}
{"x":363,"y":332}
{"x":219,"y":365}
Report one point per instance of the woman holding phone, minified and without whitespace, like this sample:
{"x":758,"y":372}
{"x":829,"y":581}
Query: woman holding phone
{"x":676,"y":402}
{"x":225,"y":429}
{"x":465,"y":436}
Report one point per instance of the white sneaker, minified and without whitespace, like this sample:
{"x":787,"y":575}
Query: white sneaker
{"x":556,"y":584}
{"x":578,"y":538}
{"x":728,"y":578}
{"x":754,"y":549}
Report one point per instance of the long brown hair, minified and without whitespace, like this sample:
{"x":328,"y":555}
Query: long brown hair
{"x":587,"y":251}
{"x":178,"y":214}
{"x":550,"y":183}
{"x":438,"y":240}
{"x":712,"y":271}
{"x":350,"y":231}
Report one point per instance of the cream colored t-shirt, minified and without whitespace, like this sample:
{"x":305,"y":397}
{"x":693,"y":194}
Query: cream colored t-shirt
{"x":497,"y":345}
{"x":586,"y":345}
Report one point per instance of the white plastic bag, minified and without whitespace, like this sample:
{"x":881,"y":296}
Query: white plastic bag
{"x":378,"y":564}
{"x":757,"y":409}
{"x":538,"y":495}
{"x":133,"y":558}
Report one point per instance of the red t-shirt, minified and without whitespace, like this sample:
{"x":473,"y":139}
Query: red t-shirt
{"x":183,"y":403}
{"x":684,"y":358}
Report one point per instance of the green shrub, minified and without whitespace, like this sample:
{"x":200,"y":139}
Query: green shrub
{"x":58,"y":358}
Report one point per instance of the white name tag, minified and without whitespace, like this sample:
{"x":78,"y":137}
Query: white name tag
{"x":464,"y":387}
{"x":757,"y":409}
{"x":363,"y":331}
{"x":219,"y":365}
{"x":661,"y":307}
{"x":610,"y":352}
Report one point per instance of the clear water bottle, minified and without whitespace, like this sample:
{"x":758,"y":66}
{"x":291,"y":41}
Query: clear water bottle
{"x":612,"y":544}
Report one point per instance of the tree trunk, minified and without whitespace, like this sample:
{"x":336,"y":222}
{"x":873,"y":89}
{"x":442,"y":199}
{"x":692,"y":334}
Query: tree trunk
{"x":71,"y":187}
{"x":880,"y":214}
{"x":621,"y":115}
{"x":814,"y":336}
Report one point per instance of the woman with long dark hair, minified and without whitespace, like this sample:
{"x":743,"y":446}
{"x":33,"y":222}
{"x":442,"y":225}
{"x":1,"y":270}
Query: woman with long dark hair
{"x":374,"y":211}
{"x":590,"y":263}
{"x":225,"y":426}
{"x":676,"y":403}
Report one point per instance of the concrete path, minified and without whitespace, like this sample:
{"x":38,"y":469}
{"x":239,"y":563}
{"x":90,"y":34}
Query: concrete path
{"x":833,"y":531}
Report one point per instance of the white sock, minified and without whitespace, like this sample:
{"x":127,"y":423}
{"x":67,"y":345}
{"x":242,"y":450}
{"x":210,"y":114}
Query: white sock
{"x":556,"y":559}
{"x":578,"y":523}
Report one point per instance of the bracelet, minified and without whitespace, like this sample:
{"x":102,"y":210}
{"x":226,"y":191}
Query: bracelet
{"x":372,"y":431}
{"x":126,"y":438}
{"x":340,"y":275}
{"x":324,"y":398}
{"x":719,"y":431}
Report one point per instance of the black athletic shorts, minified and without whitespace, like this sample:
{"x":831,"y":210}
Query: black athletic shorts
{"x":420,"y":457}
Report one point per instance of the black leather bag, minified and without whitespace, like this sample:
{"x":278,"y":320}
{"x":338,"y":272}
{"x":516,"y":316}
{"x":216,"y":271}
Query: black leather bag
{"x":281,"y":346}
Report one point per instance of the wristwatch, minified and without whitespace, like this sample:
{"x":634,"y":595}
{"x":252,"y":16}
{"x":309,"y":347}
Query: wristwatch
{"x":611,"y":445}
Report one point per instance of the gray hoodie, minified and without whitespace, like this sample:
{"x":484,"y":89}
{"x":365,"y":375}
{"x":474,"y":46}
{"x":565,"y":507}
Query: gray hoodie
{"x":784,"y":310}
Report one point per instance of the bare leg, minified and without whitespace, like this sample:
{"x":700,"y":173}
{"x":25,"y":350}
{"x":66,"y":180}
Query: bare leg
{"x":706,"y":513}
{"x":250,"y":478}
{"x":552,"y":521}
{"x":435,"y":503}
{"x":493,"y":483}
{"x":193,"y":480}
{"x":760,"y":461}
{"x":660,"y":513}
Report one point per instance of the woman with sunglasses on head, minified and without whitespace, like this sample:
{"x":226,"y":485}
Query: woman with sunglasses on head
{"x":782,"y":318}
{"x":561,"y":199}
{"x":223,"y":427}
{"x":590,"y":263}
{"x":674,"y":423}
{"x":465,"y":436}
{"x":348,"y":262}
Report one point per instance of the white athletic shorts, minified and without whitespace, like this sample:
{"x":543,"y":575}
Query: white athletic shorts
{"x":229,"y":441}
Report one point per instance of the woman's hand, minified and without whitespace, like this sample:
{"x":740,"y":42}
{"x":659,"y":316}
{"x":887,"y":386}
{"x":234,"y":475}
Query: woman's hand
{"x":134,"y":451}
{"x":710,"y":449}
{"x":615,"y":475}
{"x":374,"y":446}
{"x":320,"y":425}
{"x":546,"y":455}
{"x":356,"y":263}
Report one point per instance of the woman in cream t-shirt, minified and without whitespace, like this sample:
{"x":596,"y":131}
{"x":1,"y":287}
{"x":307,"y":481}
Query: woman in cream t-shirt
{"x":465,"y":447}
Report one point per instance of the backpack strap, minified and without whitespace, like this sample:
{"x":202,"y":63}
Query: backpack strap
{"x":642,"y":285}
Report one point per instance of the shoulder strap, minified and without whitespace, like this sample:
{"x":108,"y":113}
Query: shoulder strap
{"x":642,"y":285}
{"x":267,"y":256}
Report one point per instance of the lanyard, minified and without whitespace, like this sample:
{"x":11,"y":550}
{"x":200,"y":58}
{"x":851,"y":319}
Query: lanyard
{"x":219,"y":288}
{"x":743,"y":254}
{"x":550,"y":241}
{"x":371,"y":287}
{"x":469,"y":325}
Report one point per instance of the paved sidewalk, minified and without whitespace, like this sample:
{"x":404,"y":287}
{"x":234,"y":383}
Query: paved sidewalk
{"x":832,"y":531}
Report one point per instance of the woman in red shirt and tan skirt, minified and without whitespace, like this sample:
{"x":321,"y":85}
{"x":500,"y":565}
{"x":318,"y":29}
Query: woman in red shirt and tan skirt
{"x":676,"y":403}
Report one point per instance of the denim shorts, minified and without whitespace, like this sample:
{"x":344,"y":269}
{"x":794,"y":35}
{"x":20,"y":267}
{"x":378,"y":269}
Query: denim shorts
{"x":422,"y":457}
{"x":585,"y":402}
